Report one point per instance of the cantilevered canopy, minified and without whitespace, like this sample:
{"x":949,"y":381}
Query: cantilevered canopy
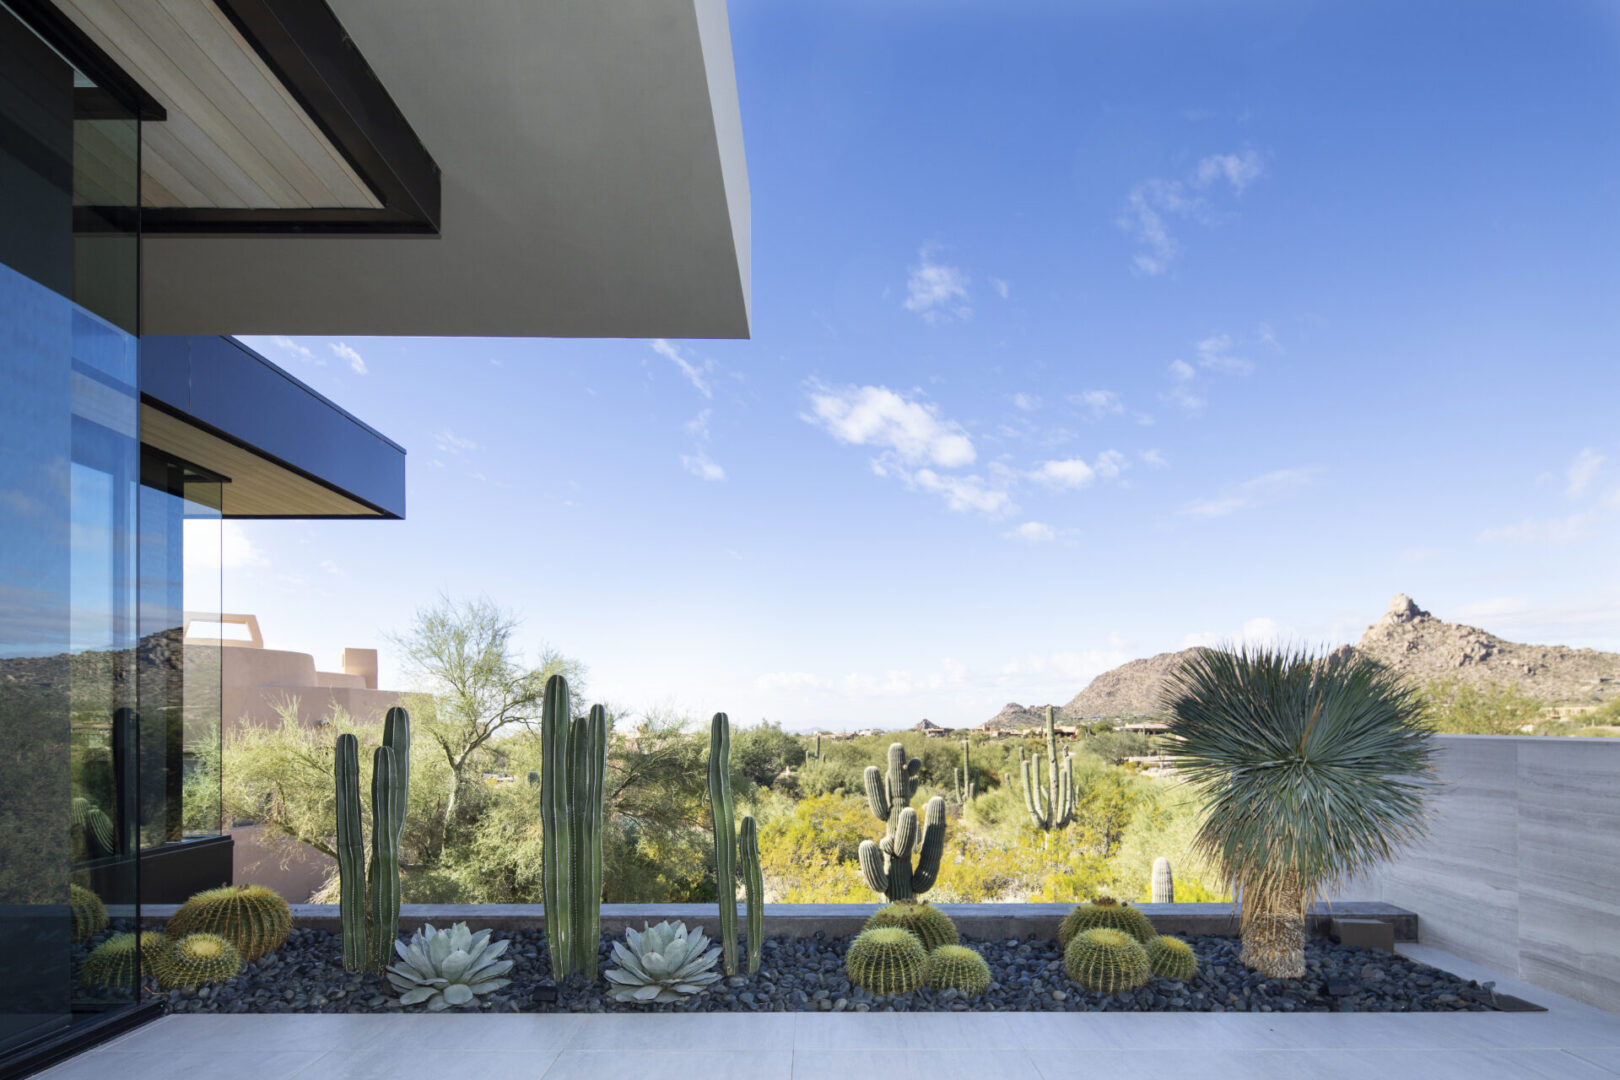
{"x":589,"y":167}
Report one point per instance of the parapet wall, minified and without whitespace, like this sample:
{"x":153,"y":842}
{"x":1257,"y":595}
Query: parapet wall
{"x":1521,"y":871}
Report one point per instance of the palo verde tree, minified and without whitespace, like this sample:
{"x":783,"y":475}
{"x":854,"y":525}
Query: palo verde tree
{"x":462,"y":657}
{"x":1311,"y":769}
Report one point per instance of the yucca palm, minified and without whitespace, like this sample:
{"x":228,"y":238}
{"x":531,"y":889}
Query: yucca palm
{"x":1310,"y":768}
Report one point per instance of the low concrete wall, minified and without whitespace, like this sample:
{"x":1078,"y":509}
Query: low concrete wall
{"x":1521,"y":871}
{"x":975,"y":921}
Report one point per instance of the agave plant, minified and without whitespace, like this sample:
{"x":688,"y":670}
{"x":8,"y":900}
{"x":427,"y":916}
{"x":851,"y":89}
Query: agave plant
{"x":448,"y":967}
{"x":662,"y":963}
{"x":1311,"y":769}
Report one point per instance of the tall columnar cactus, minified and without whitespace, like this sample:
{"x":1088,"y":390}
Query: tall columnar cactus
{"x":1164,"y":883}
{"x":574,"y":759}
{"x":1057,"y":810}
{"x":368,"y":894}
{"x":964,"y":776}
{"x":753,"y":890}
{"x":887,"y":866}
{"x":351,"y":853}
{"x":725,"y":835}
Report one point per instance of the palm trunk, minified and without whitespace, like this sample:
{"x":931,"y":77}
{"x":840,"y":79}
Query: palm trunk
{"x":1274,"y":931}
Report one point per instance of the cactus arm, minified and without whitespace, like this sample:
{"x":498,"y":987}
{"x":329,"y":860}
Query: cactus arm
{"x":725,"y":835}
{"x":351,"y":853}
{"x":897,"y":867}
{"x":905,"y":834}
{"x":383,"y":888}
{"x":556,"y":866}
{"x":872,"y":862}
{"x":877,"y":796}
{"x":753,"y":891}
{"x":589,"y":749}
{"x":397,"y":737}
{"x":933,"y":847}
{"x":1032,"y":794}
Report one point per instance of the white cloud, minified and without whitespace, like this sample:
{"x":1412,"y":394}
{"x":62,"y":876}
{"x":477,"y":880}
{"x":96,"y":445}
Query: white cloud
{"x":301,"y":351}
{"x":1239,"y":170}
{"x":1268,"y":337}
{"x":1003,"y":289}
{"x":694,"y":375}
{"x":1027,"y":402}
{"x":877,"y":416}
{"x":1077,"y":667}
{"x":1181,"y":370}
{"x":1215,"y":354}
{"x":1267,"y":488}
{"x":1553,"y":532}
{"x":1582,"y":471}
{"x":342,"y":351}
{"x":963,"y":493}
{"x":1034,"y":532}
{"x":701,"y":466}
{"x":1258,"y":631}
{"x":698,"y":426}
{"x":936,"y":291}
{"x":1100,"y":403}
{"x":1109,"y":464}
{"x":892,"y":684}
{"x":451,"y":443}
{"x":1150,"y":204}
{"x":1153,"y":458}
{"x":1069,"y":473}
{"x":330,"y":567}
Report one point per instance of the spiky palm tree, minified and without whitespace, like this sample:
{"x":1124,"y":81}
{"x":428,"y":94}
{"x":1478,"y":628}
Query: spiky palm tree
{"x":1310,"y":768}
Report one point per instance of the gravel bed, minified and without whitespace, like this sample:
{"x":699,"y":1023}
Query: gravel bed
{"x":807,"y":975}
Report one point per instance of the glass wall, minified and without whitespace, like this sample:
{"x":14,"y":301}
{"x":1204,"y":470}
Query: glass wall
{"x":69,"y":483}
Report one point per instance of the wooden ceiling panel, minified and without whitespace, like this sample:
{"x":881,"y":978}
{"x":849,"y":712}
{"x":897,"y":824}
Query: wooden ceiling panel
{"x":235,"y":137}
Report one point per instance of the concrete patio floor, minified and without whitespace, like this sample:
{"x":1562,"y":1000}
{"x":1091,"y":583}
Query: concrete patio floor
{"x":1571,"y":1041}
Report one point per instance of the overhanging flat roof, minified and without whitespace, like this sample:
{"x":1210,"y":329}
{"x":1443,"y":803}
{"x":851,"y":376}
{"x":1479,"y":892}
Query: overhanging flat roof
{"x":592,"y":184}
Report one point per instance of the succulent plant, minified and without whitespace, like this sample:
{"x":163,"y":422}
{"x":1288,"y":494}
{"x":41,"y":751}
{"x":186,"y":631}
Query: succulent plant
{"x":724,"y":835}
{"x":886,"y":960}
{"x":112,"y":963}
{"x":887,"y":866}
{"x":957,"y":967}
{"x":94,"y":825}
{"x":369,"y":894}
{"x":574,"y":757}
{"x":1106,"y":961}
{"x":251,"y":917}
{"x":1171,"y":958}
{"x":964,"y":776}
{"x":1105,"y":913}
{"x":196,"y":959}
{"x":448,"y":967}
{"x":88,"y":913}
{"x":662,"y":963}
{"x":753,"y":889}
{"x":932,"y":926}
{"x":1058,"y":808}
{"x":1164,"y":882}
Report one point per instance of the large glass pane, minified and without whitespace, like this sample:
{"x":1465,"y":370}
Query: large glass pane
{"x":69,"y":475}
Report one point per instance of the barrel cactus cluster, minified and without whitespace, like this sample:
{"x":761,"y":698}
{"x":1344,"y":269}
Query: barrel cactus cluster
{"x":252,"y":918}
{"x":1106,"y":961}
{"x":957,"y":967}
{"x":931,"y":925}
{"x":113,"y":965}
{"x":88,"y":913}
{"x":1105,"y":913}
{"x":886,"y":960}
{"x":196,"y":959}
{"x":1171,"y":958}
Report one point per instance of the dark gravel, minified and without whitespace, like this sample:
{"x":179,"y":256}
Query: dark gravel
{"x":807,"y":975}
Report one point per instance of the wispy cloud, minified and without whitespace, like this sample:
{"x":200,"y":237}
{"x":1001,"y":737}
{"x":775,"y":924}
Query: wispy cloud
{"x":1026,"y":402}
{"x":914,"y":431}
{"x":935,"y":290}
{"x":451,"y":443}
{"x":698,"y":462}
{"x":695,"y":374}
{"x":1264,"y":489}
{"x":1154,"y":458}
{"x":963,"y":493}
{"x":1099,"y":403}
{"x":1551,"y":532}
{"x":1151,"y":205}
{"x":1003,"y":289}
{"x":293,"y":348}
{"x":1033,"y":532}
{"x":1582,"y":471}
{"x":342,"y":351}
{"x":1073,"y":473}
{"x":1215,"y":354}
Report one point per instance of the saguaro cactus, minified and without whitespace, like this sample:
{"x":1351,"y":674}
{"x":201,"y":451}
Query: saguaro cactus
{"x":368,"y":894}
{"x":753,"y":890}
{"x":1164,"y":884}
{"x":725,"y":835}
{"x":964,"y":776}
{"x":1057,"y":810}
{"x":573,"y":761}
{"x":887,"y":866}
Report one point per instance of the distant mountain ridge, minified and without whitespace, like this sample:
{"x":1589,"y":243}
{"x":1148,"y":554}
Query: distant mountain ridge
{"x":1406,"y":638}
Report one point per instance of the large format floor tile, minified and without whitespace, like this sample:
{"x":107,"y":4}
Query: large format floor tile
{"x":729,"y":1064}
{"x":671,"y":1031}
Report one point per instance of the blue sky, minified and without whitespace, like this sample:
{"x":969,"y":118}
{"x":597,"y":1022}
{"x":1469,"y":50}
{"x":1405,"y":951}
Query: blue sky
{"x":1081,"y":332}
